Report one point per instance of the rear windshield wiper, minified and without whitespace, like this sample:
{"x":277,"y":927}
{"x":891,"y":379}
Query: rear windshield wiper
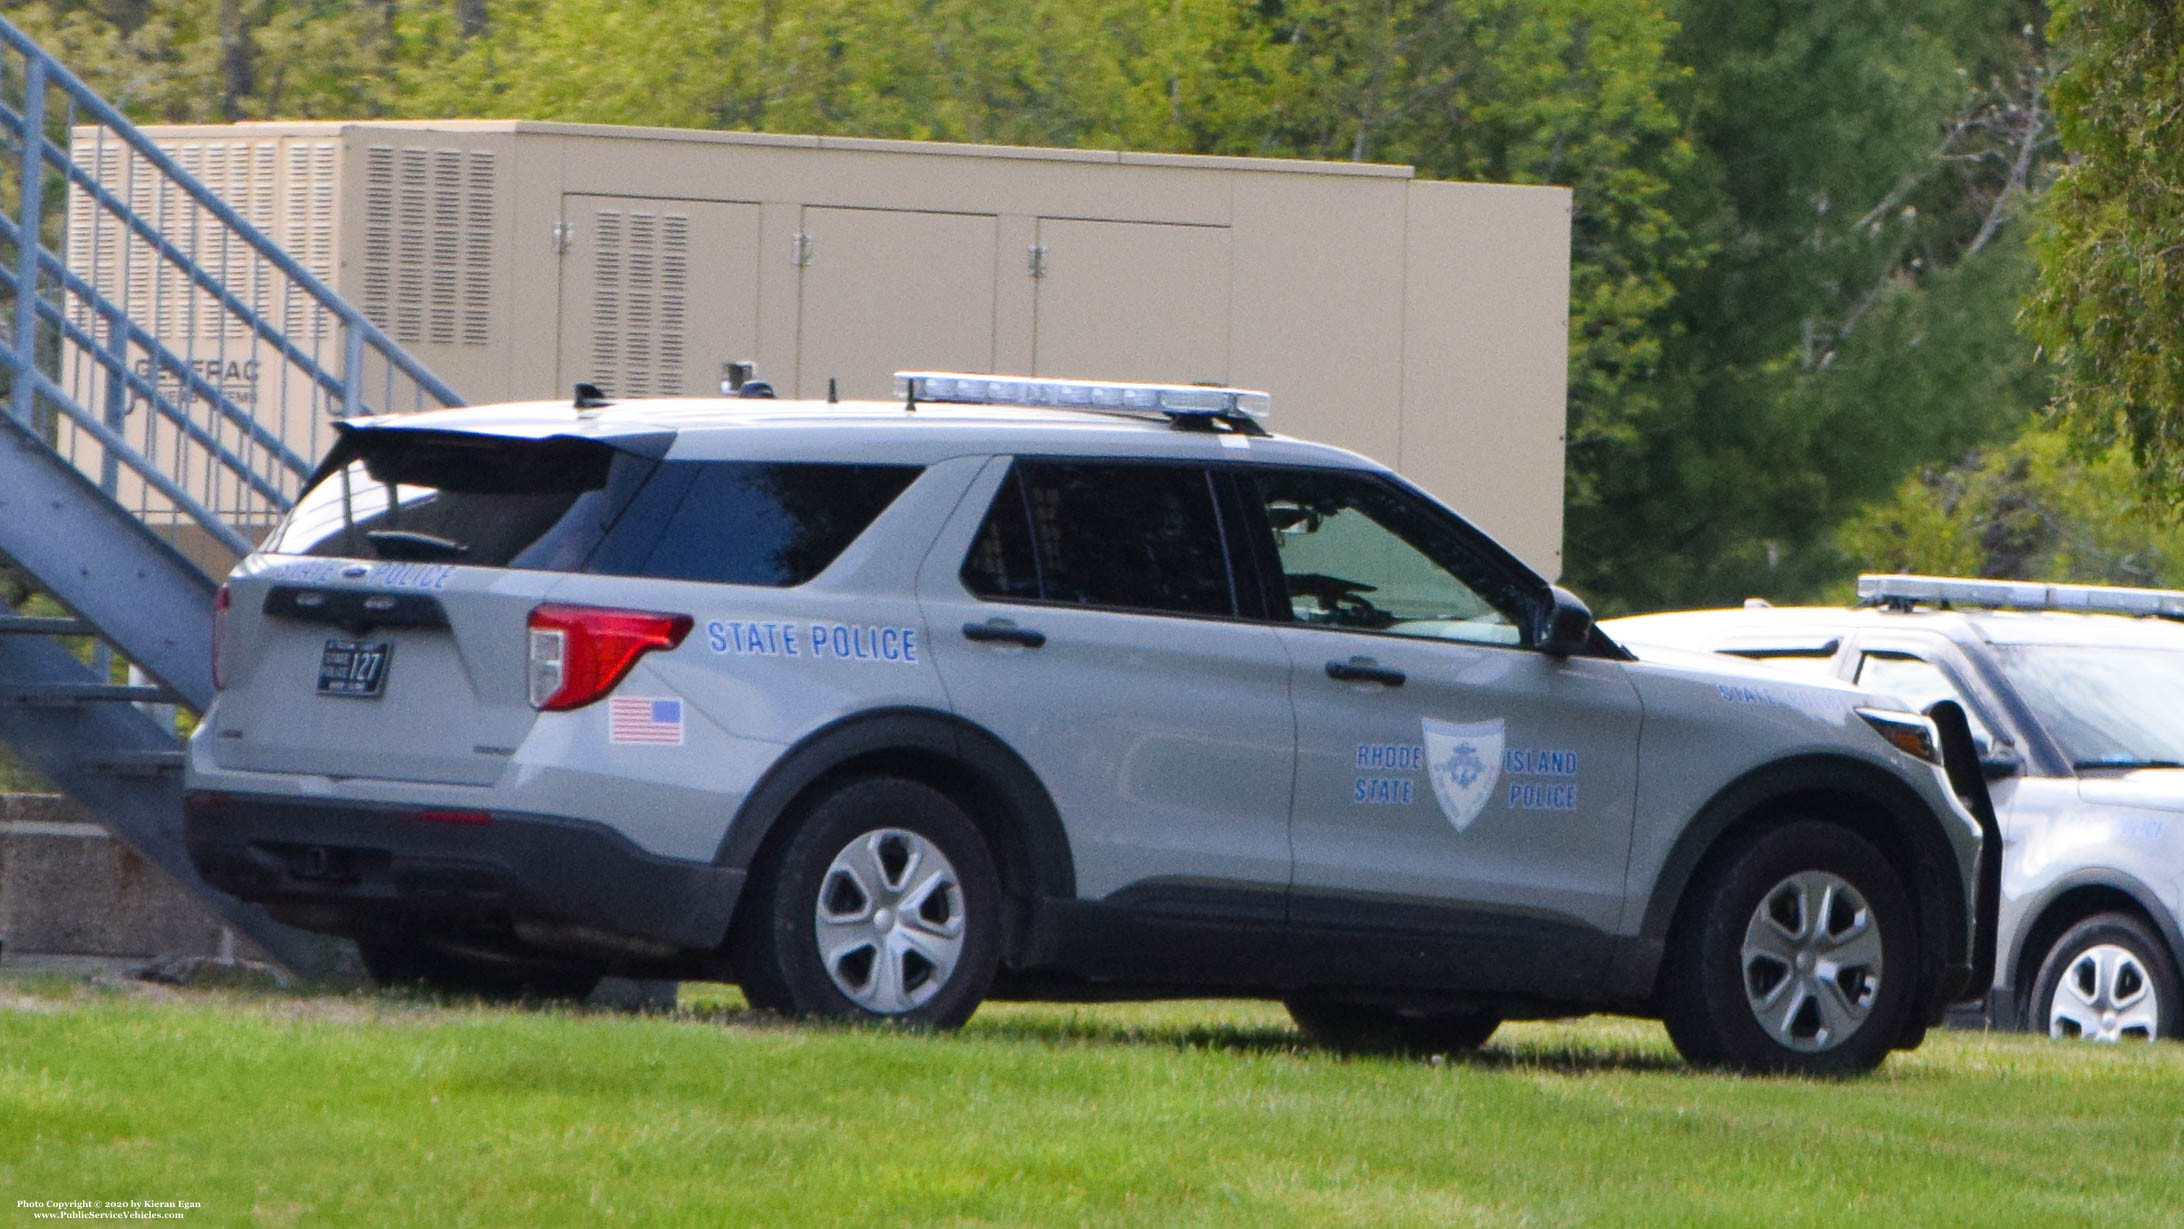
{"x":413,"y":547}
{"x":2122,"y":763}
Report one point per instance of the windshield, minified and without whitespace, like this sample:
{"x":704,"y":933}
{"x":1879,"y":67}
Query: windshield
{"x":2108,"y":707}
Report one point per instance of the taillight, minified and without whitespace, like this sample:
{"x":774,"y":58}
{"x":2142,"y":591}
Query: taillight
{"x":220,"y":603}
{"x":579,"y":653}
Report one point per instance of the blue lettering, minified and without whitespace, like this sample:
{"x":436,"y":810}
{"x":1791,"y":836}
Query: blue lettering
{"x":889,"y":648}
{"x":788,"y":640}
{"x":910,"y":644}
{"x":1382,"y":791}
{"x":839,"y":636}
{"x":1532,"y":796}
{"x":717,"y":636}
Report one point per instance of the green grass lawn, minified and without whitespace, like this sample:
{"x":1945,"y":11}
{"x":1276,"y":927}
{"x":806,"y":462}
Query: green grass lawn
{"x":297,"y":1110}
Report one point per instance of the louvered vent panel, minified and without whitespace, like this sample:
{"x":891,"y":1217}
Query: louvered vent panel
{"x":428,"y":244}
{"x":170,"y":293}
{"x":412,"y":237}
{"x":447,"y":239}
{"x":379,"y":235}
{"x":640,"y":301}
{"x":641,"y":329}
{"x":95,"y":235}
{"x":141,"y":271}
{"x":674,"y":297}
{"x":263,"y":214}
{"x":607,"y":279}
{"x":478,"y":251}
{"x":307,"y":231}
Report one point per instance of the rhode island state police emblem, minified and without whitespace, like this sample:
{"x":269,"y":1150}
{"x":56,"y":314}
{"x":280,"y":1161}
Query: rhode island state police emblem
{"x":1464,"y":763}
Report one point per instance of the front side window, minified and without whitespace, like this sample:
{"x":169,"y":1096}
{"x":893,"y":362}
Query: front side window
{"x":1917,"y":682}
{"x":1109,"y":534}
{"x":1360,"y":555}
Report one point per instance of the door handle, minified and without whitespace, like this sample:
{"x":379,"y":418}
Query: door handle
{"x":1000,"y":632}
{"x":1364,"y":670}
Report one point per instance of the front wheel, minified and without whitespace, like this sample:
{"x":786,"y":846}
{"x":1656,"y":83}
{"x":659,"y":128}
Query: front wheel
{"x":884,"y":905}
{"x":2107,"y":979}
{"x":1795,"y":956}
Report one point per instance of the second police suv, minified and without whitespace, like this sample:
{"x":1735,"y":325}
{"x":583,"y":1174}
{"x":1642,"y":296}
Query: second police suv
{"x":1041,"y":688}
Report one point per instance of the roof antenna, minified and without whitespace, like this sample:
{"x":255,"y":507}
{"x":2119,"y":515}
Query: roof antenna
{"x":588,"y":396}
{"x":831,"y":398}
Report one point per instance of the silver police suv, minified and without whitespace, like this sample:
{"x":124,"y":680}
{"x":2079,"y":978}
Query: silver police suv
{"x":2076,"y":700}
{"x":1046,"y":689}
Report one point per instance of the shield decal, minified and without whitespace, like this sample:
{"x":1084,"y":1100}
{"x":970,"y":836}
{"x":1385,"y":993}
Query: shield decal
{"x":1464,"y":763}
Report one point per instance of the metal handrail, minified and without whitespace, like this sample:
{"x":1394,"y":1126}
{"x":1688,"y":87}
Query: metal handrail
{"x":206,"y":452}
{"x":98,"y":109}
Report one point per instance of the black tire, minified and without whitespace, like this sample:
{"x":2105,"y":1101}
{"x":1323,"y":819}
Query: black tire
{"x":1358,"y":1028}
{"x":400,"y":959}
{"x":2117,"y":982}
{"x":1820,"y":1020}
{"x":880,"y":824}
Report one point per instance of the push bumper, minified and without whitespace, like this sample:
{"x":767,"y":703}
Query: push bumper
{"x":348,"y":868}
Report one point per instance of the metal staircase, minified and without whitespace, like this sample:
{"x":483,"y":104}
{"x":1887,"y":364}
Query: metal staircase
{"x":135,"y":464}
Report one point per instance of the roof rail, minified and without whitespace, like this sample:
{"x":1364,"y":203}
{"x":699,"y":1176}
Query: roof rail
{"x":1199,"y":407}
{"x":1905,"y":592}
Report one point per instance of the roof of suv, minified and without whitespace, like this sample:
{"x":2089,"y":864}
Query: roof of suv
{"x":1992,"y":626}
{"x":721,"y":426}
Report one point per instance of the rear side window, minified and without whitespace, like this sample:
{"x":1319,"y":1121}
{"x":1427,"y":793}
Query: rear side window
{"x":774,"y":523}
{"x":1131,"y":537}
{"x":574,"y":505}
{"x":450,"y":497}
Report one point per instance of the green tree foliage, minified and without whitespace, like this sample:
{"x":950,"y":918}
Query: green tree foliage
{"x":1571,"y":92}
{"x":2110,"y":305}
{"x":192,"y":61}
{"x":1795,"y":250}
{"x":1561,"y":91}
{"x":2032,"y":508}
{"x":1859,"y":167}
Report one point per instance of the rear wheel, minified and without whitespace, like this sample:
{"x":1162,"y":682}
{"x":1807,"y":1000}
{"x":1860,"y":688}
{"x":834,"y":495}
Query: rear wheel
{"x":883,"y":905}
{"x":2107,"y":979}
{"x":1362,"y":1028}
{"x":402,"y":959}
{"x":1796,"y":956}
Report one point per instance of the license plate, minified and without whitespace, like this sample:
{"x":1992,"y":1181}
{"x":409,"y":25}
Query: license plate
{"x":354,"y":668}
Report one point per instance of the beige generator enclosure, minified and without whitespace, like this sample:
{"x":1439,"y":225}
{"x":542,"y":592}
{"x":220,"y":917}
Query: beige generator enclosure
{"x":1421,"y":323}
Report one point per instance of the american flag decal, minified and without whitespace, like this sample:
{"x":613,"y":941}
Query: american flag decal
{"x":644,"y":721}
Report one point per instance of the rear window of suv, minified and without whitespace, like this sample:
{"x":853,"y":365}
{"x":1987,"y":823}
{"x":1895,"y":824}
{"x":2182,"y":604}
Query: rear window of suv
{"x":575,"y":505}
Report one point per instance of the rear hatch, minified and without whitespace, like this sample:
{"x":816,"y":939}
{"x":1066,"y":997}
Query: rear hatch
{"x":381,"y":631}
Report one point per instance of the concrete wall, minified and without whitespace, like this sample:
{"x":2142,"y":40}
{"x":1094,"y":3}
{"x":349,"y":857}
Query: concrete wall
{"x":68,"y":887}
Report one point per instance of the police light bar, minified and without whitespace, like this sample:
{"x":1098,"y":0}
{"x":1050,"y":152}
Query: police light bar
{"x":1173,"y":400}
{"x":1874,"y":590}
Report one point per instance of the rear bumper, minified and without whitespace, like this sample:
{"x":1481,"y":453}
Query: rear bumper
{"x":347,"y":868}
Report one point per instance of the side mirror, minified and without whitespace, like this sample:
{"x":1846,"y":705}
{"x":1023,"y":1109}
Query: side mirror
{"x":1567,"y":624}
